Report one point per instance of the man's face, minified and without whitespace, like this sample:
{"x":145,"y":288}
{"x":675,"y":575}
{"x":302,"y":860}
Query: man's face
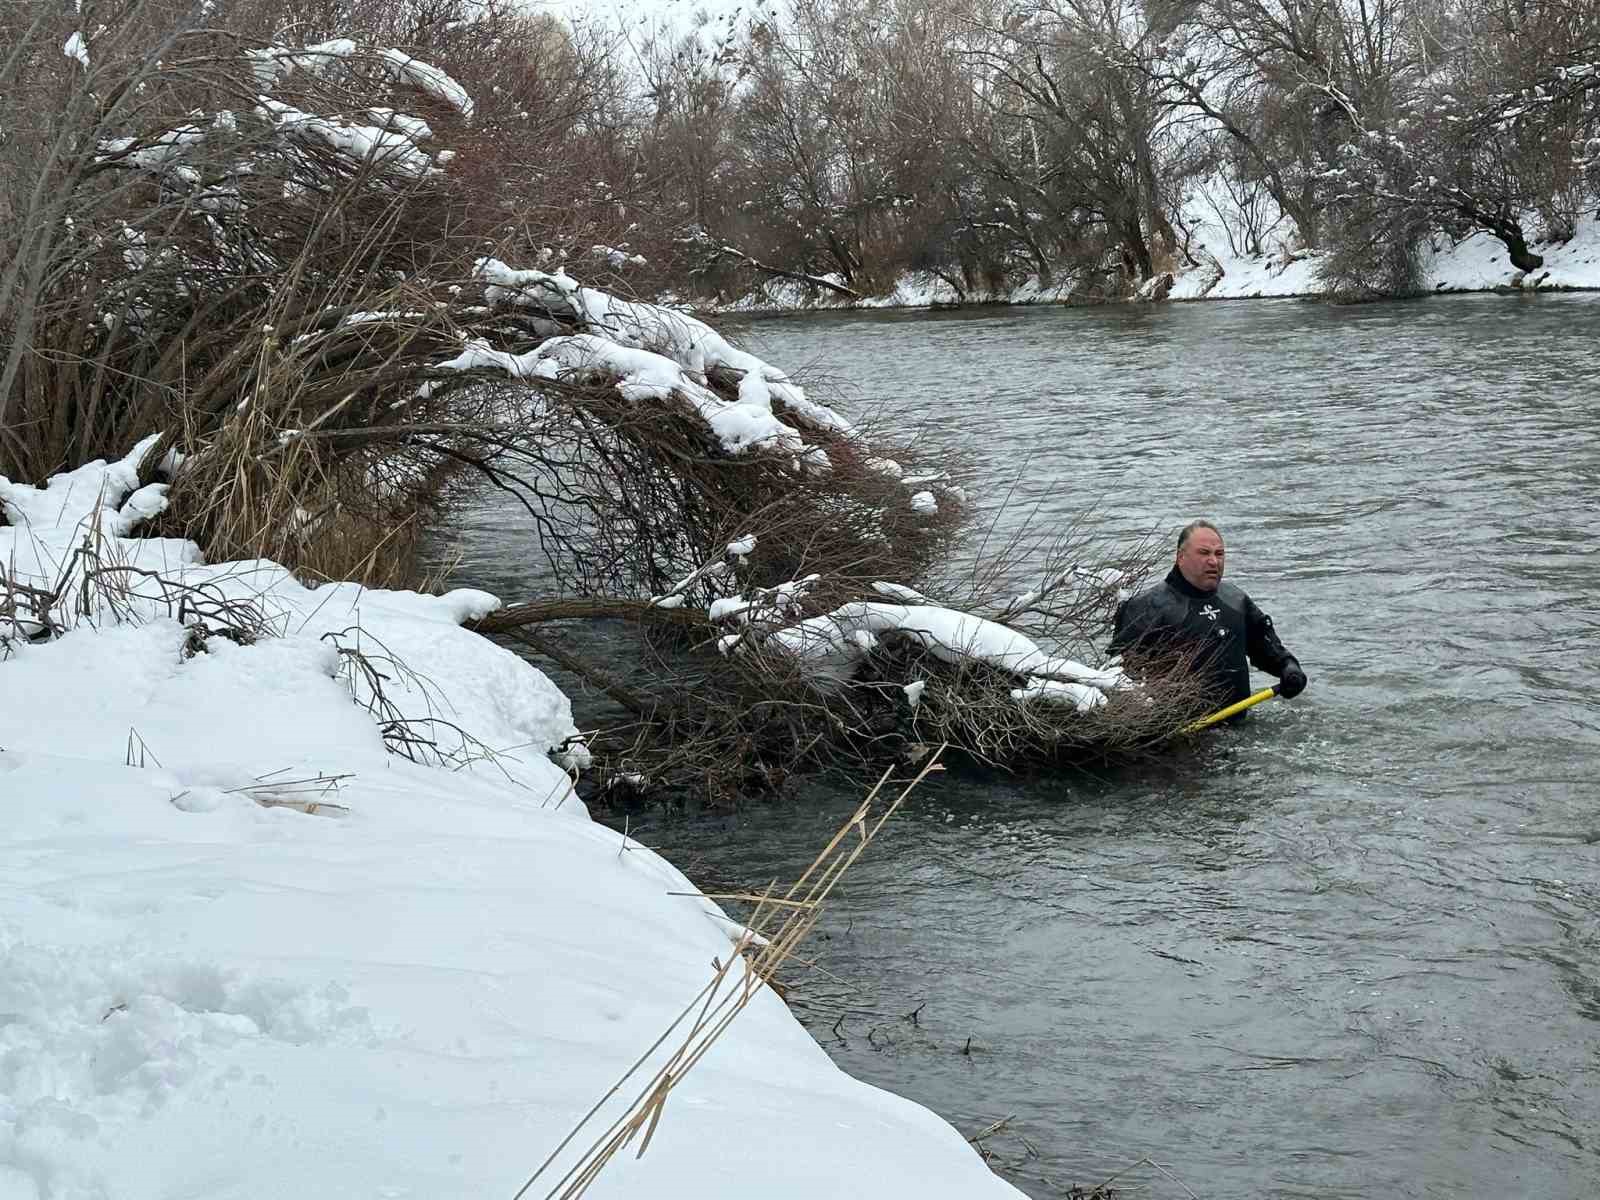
{"x":1200,"y":560}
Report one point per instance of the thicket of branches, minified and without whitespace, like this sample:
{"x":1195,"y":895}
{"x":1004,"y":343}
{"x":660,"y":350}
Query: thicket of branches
{"x":712,"y":703}
{"x":281,"y":259}
{"x":261,"y":251}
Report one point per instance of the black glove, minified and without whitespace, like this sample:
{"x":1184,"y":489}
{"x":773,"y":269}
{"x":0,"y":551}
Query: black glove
{"x":1293,"y":680}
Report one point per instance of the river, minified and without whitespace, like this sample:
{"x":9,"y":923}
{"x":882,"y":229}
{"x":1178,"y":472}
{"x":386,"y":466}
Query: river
{"x":1351,"y":949}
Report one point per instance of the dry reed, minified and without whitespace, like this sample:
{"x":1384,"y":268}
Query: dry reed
{"x":771,"y":936}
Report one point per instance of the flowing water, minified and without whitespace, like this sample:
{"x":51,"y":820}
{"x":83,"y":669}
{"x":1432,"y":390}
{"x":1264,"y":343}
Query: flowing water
{"x":1351,"y":949}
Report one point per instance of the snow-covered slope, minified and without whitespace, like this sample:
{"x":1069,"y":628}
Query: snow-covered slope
{"x":246,"y":951}
{"x":1477,"y":264}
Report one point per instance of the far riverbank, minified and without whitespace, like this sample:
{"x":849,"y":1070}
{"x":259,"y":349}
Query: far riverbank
{"x":1476,"y":264}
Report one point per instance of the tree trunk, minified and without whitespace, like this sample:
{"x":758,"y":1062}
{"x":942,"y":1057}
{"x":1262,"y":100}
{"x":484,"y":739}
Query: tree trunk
{"x":1137,"y":249}
{"x":780,"y":273}
{"x":1503,"y":226}
{"x":538,"y":612}
{"x":1522,"y":258}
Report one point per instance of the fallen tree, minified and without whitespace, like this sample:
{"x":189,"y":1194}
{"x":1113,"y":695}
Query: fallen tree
{"x":763,"y":681}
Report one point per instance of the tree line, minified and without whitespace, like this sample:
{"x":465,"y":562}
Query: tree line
{"x":844,"y":143}
{"x":1076,"y":140}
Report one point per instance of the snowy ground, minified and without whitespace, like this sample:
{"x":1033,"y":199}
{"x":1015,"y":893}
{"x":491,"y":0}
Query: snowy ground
{"x":1478,"y":264}
{"x":247,"y":951}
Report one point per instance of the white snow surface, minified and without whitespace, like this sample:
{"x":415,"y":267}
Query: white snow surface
{"x":832,"y":645}
{"x":76,"y":47}
{"x":664,"y":333}
{"x":426,"y":77}
{"x":1476,"y":264}
{"x":412,"y":992}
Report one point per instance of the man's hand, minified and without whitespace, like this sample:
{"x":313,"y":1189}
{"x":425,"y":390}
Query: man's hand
{"x":1293,"y":680}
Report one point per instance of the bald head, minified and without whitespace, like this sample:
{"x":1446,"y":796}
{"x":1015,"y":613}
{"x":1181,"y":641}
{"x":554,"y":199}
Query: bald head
{"x":1200,"y":555}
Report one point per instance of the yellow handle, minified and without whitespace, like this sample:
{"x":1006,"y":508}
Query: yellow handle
{"x":1224,"y":713}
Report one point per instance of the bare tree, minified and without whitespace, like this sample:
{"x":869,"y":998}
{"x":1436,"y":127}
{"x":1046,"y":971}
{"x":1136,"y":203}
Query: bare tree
{"x":1097,"y":153}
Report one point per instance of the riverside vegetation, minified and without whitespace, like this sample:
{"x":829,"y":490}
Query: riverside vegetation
{"x":283,"y":266}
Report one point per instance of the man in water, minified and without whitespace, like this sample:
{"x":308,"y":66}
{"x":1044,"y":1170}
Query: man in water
{"x":1219,"y":628}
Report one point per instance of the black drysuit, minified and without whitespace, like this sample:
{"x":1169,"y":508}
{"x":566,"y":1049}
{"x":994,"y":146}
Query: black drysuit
{"x":1223,"y":630}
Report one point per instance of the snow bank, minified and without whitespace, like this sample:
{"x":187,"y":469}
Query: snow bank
{"x":101,"y":501}
{"x":914,"y":289}
{"x":1223,"y":277}
{"x":247,"y":951}
{"x":1477,"y":264}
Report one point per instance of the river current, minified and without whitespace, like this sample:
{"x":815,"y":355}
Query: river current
{"x":1351,"y":949}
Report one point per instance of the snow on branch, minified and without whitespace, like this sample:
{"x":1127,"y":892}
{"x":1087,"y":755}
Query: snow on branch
{"x":640,"y":375}
{"x":832,"y":646}
{"x":389,"y":147}
{"x":643,"y":375}
{"x":270,"y":64}
{"x":689,"y":342}
{"x":153,"y":152}
{"x":652,"y":352}
{"x":734,"y":553}
{"x":426,"y":77}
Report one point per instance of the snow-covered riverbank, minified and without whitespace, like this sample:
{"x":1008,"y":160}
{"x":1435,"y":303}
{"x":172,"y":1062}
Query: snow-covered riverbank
{"x":1477,"y":264}
{"x":248,"y":950}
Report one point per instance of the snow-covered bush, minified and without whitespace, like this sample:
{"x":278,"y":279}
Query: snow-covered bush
{"x":730,"y":696}
{"x":286,"y":259}
{"x":980,"y":667}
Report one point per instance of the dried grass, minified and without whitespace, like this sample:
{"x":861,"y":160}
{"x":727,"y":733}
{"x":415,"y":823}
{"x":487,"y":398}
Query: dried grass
{"x":772,"y":934}
{"x":99,"y":581}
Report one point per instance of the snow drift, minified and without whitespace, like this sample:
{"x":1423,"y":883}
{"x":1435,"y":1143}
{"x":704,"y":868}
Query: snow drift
{"x":246,"y":949}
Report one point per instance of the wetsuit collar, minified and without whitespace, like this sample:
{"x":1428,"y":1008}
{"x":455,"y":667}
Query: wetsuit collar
{"x":1175,"y":579}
